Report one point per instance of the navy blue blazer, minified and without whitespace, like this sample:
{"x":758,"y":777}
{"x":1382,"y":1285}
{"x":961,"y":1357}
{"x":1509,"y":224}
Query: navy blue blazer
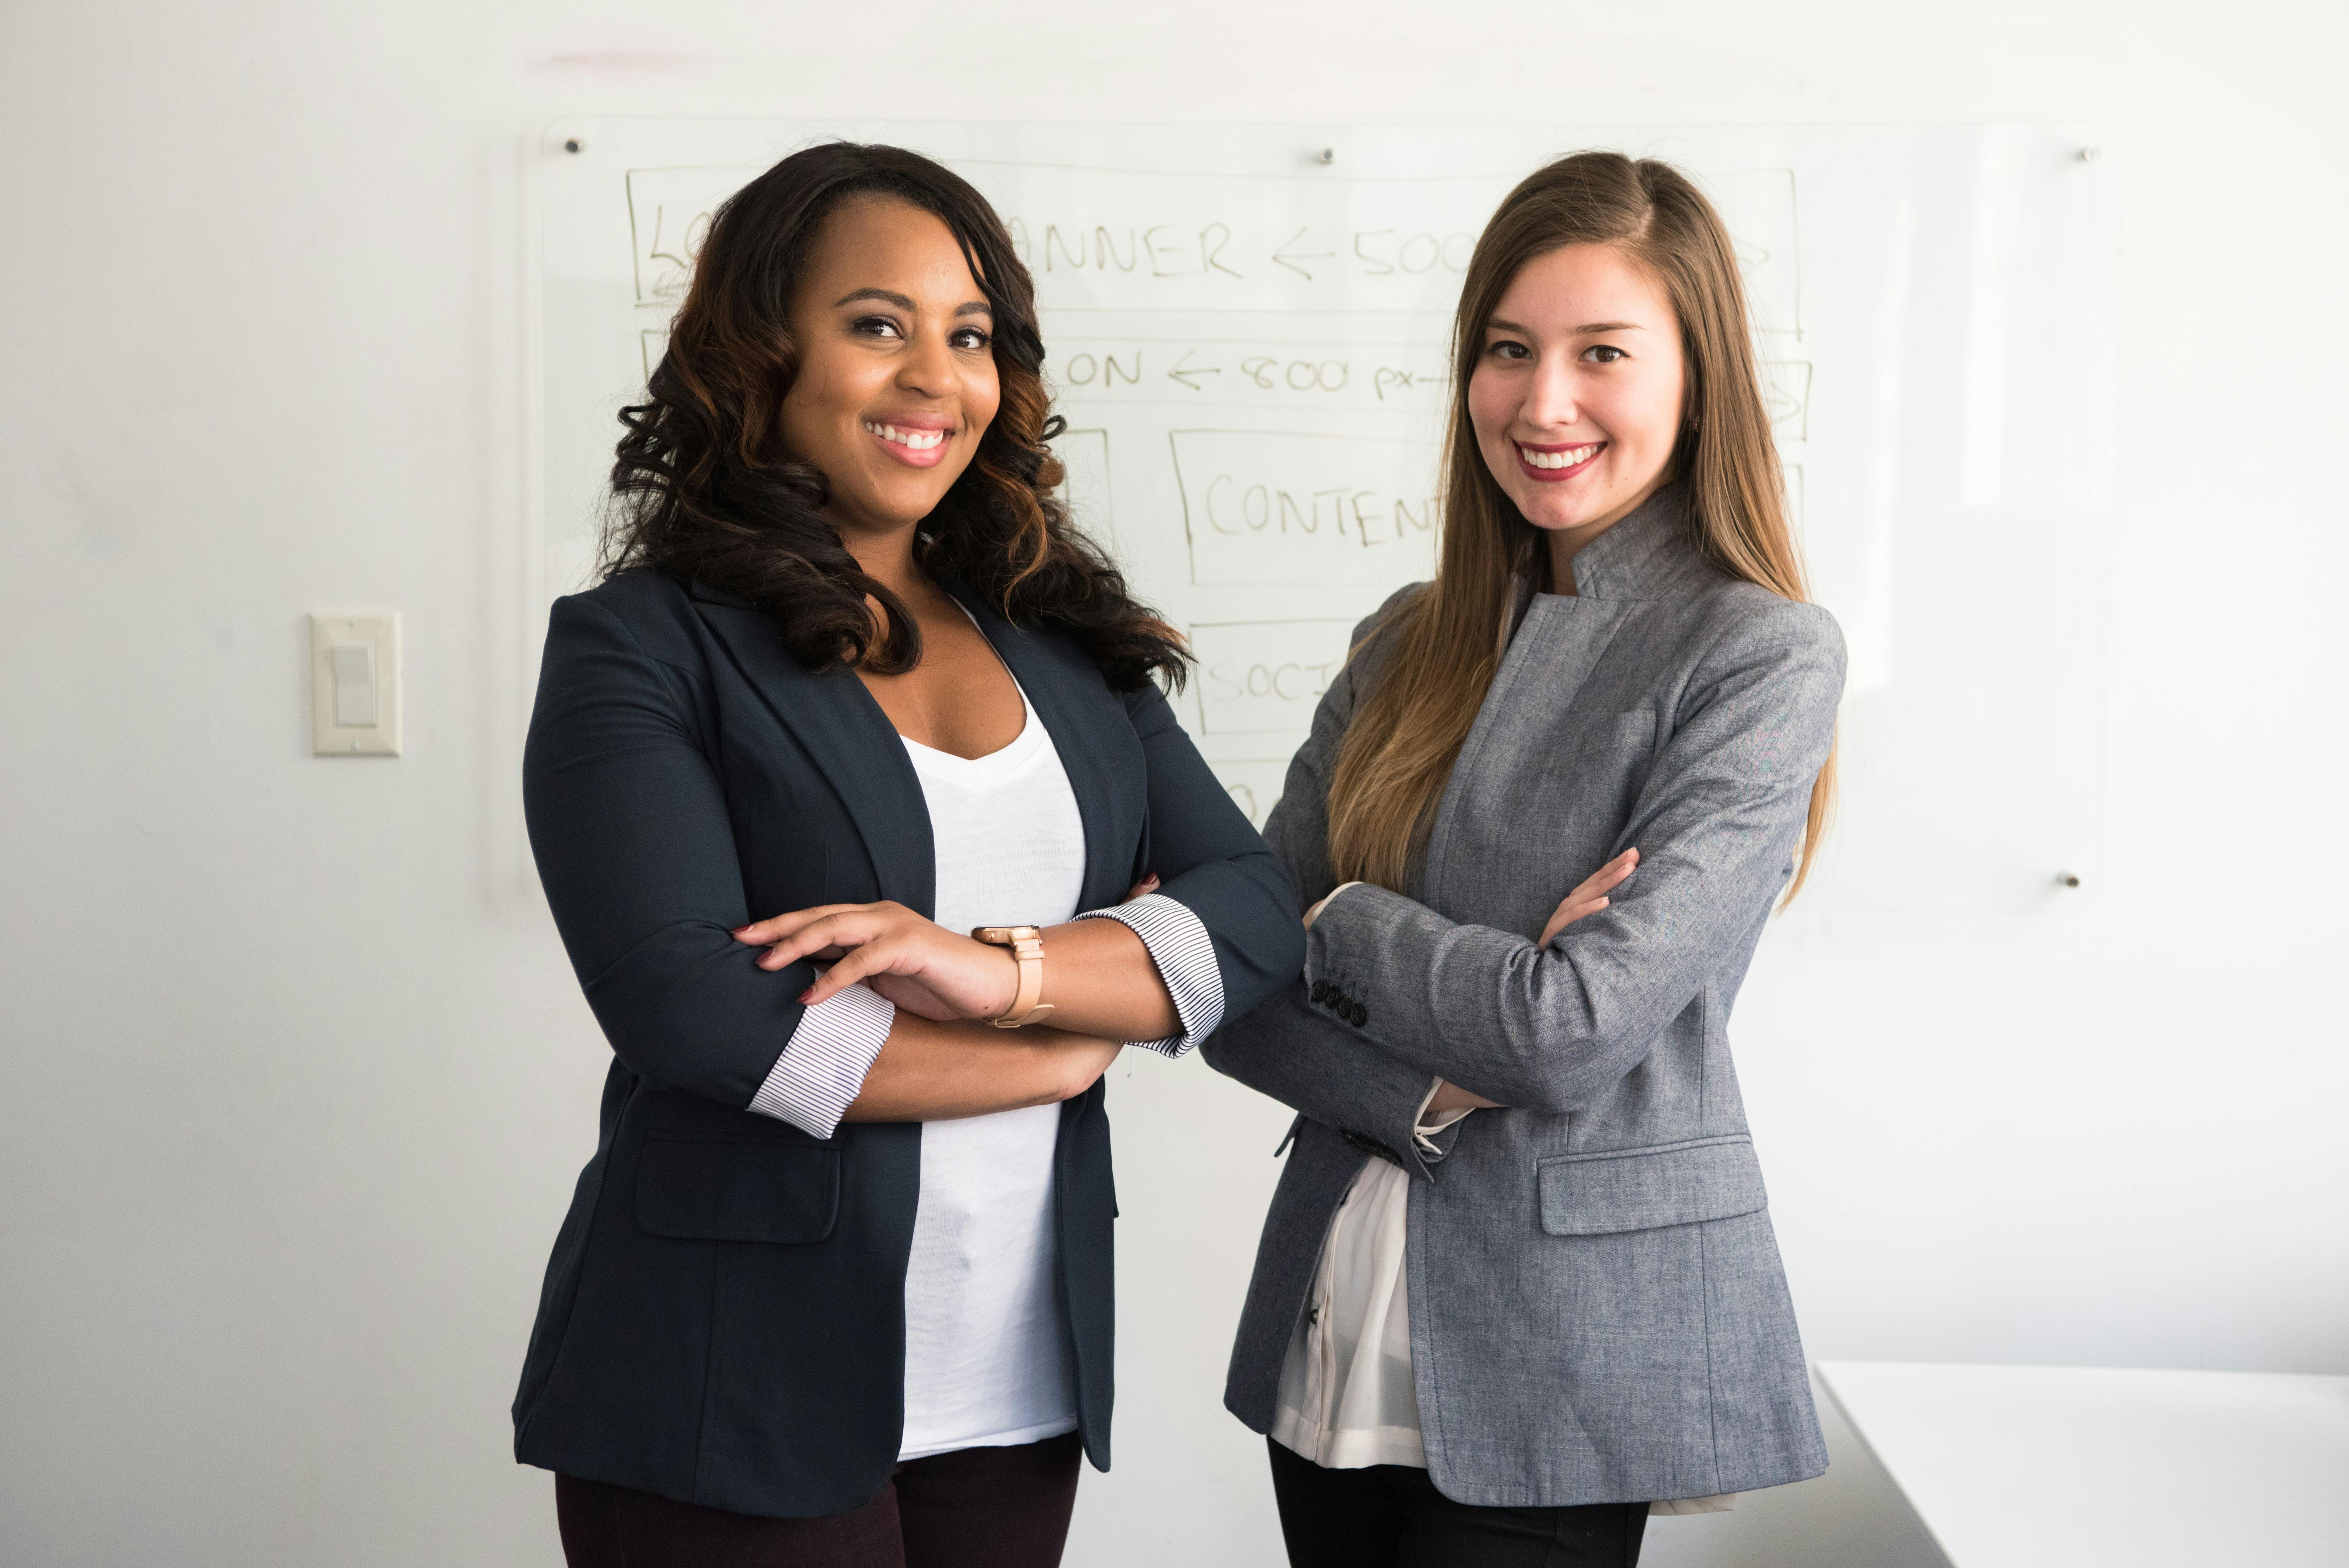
{"x":723,"y":1316}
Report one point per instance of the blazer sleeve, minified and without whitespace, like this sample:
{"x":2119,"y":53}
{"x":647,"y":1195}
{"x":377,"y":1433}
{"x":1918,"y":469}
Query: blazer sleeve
{"x":1549,"y":1028}
{"x":1286,"y":1049}
{"x":1328,"y":1072}
{"x":1207,"y":859}
{"x":635,"y":851}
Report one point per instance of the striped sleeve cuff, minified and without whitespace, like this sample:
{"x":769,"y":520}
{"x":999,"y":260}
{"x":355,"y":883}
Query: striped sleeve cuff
{"x":823,"y":1065}
{"x":1178,"y":944}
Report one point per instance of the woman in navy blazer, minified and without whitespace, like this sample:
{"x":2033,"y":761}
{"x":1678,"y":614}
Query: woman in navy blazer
{"x":839,"y":549}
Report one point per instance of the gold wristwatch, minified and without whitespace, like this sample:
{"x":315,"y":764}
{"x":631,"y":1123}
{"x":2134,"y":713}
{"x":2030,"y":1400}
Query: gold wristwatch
{"x":1027,"y":945}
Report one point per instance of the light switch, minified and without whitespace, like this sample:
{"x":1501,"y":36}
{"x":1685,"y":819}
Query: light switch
{"x":355,"y":683}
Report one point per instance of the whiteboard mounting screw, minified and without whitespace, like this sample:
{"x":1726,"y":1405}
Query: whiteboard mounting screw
{"x":1327,"y":155}
{"x":2091,"y":154}
{"x":573,"y":144}
{"x":2068,"y":879}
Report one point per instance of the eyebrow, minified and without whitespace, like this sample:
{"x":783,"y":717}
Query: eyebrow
{"x":1497,"y":324}
{"x":968,"y":308}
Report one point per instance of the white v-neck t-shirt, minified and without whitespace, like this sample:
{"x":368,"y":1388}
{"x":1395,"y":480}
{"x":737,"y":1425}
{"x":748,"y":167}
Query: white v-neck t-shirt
{"x":987,"y":1361}
{"x":987,"y":1355}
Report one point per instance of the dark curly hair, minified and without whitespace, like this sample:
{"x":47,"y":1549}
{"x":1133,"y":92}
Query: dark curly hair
{"x":704,"y":490}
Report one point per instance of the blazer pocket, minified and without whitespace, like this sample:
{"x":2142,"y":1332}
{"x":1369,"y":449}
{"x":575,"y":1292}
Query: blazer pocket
{"x":1643,"y":1189}
{"x":738,"y":1190}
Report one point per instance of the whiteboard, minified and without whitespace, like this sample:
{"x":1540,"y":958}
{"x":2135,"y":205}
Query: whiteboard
{"x":1247,"y":330}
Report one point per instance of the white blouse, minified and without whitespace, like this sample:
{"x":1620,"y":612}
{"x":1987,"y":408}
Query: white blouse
{"x":1346,"y":1395}
{"x":987,"y":1351}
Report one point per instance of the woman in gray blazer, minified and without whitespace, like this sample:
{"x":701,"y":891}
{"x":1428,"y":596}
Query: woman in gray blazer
{"x":1518,"y":1283}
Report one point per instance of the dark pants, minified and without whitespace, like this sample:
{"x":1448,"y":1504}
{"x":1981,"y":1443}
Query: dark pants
{"x":973,"y":1508}
{"x":1392,"y":1516}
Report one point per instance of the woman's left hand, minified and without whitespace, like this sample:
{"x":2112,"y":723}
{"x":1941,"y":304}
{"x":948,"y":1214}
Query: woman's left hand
{"x":914,"y":961}
{"x":1590,"y":897}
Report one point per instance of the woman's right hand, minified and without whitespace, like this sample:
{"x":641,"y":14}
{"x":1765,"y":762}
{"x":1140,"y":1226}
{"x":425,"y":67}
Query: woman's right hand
{"x":1591,"y":896}
{"x":906,"y":956}
{"x":1450,"y":1096}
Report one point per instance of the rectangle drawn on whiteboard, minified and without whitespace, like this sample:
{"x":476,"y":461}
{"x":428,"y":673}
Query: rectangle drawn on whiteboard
{"x":1275,"y":506}
{"x":1084,"y":483}
{"x":1757,"y":205}
{"x":1134,"y":236}
{"x":1786,"y":398}
{"x":669,"y":216}
{"x":1264,"y":677}
{"x":1137,"y":238}
{"x":1254,"y":783}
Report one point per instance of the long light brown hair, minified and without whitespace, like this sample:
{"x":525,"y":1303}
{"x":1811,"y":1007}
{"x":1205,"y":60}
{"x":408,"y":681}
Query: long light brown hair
{"x":1440,"y":648}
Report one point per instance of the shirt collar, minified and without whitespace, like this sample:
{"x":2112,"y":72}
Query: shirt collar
{"x":1645,"y":555}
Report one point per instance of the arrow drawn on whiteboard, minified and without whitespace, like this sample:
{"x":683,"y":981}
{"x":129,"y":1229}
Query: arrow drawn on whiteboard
{"x":1283,"y":253}
{"x":1186,"y":376}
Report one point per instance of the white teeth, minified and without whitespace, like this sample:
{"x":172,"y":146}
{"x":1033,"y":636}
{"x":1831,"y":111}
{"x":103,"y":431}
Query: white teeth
{"x":912,"y":440}
{"x":1565,"y":460}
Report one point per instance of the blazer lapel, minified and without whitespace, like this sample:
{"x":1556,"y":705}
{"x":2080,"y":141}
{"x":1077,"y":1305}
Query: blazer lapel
{"x":1068,"y":694}
{"x":855,"y":745}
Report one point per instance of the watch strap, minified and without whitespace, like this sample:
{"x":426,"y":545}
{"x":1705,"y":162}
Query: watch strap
{"x":1027,"y":945}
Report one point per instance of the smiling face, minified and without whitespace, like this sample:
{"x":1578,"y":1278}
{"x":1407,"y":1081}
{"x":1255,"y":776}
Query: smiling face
{"x":896,"y":379}
{"x":1577,"y":391}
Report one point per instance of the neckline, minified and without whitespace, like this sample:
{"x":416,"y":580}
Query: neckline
{"x":1022,"y":742}
{"x":1009,"y":758}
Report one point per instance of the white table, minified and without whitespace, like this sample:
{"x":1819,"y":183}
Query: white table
{"x":2080,"y":1467}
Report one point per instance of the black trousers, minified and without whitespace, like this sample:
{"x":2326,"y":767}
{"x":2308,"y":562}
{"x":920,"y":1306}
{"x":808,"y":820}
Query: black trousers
{"x":1392,"y":1516}
{"x":973,"y":1508}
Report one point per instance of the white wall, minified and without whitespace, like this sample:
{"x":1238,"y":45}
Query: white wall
{"x":299,"y":1080}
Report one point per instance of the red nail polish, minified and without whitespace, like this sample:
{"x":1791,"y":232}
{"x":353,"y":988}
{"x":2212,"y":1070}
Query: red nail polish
{"x":805,"y":994}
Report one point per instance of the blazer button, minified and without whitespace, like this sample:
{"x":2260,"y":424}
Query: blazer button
{"x":1321,"y":992}
{"x":1358,"y":1013}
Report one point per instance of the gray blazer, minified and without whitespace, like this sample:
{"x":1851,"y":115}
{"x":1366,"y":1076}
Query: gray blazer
{"x":1597,"y":1312}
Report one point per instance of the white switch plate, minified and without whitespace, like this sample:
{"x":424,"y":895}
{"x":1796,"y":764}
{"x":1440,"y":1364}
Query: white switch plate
{"x":355,"y":675}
